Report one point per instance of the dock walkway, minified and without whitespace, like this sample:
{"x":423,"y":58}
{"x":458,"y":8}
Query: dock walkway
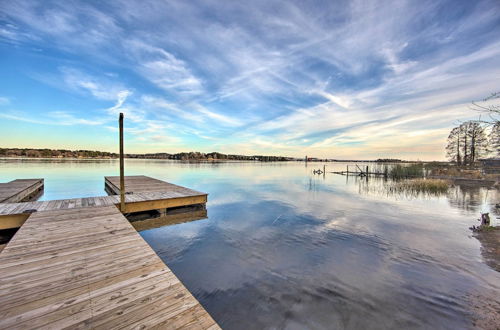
{"x":88,"y":268}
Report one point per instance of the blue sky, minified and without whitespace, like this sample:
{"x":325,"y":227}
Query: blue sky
{"x":336,"y":79}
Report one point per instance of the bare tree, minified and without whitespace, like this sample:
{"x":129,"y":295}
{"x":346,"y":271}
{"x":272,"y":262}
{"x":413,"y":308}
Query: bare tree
{"x":494,"y":141}
{"x":465,"y":144}
{"x":454,"y":146}
{"x":475,"y":144}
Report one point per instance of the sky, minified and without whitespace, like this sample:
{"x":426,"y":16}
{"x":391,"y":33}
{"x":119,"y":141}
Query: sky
{"x":329,"y":79}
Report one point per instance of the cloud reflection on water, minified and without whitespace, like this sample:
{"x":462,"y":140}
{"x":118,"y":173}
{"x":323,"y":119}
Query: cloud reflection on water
{"x":284,"y":249}
{"x":290,"y":250}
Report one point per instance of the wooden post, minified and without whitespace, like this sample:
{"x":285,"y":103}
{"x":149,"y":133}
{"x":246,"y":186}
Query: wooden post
{"x":122,"y":166}
{"x":366,"y":170}
{"x":347,"y":169}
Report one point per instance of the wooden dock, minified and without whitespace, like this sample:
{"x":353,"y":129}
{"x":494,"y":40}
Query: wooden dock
{"x":162,"y":195}
{"x":20,"y":190}
{"x":78,"y":263}
{"x":87,"y":268}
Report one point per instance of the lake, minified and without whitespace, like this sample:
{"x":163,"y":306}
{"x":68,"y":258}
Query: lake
{"x":283,"y":248}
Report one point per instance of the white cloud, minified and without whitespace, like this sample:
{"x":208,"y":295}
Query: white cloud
{"x":342,"y":101}
{"x":99,"y":87}
{"x":58,"y":118}
{"x":217,"y":117}
{"x":163,"y":69}
{"x":67,"y":118}
{"x":71,"y":26}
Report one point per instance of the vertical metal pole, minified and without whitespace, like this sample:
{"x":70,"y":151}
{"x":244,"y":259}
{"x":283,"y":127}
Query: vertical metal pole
{"x":122,"y":166}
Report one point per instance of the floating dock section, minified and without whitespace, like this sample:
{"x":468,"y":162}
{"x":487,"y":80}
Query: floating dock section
{"x":20,"y":190}
{"x":79,"y":263}
{"x":143,"y":193}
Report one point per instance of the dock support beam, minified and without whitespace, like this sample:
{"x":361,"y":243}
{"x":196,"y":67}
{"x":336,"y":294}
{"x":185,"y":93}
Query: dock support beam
{"x":122,"y":167}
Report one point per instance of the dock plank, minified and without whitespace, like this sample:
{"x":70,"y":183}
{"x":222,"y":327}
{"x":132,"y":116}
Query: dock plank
{"x":61,"y":276}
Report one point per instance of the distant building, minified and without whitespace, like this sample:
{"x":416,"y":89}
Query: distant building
{"x":490,"y":165}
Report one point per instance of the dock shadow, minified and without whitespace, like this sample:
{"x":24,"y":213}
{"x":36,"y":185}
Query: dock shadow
{"x":154,"y":219}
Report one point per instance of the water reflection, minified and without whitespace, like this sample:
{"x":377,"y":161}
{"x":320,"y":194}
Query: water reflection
{"x":150,"y":220}
{"x":471,"y":198}
{"x":282,"y":248}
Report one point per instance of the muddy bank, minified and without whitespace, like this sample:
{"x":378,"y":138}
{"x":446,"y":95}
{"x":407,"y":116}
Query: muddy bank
{"x":490,"y":246}
{"x":486,"y":311}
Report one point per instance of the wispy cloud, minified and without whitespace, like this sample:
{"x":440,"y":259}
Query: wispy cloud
{"x":99,"y":87}
{"x":163,"y":69}
{"x":57,"y":118}
{"x":353,"y":79}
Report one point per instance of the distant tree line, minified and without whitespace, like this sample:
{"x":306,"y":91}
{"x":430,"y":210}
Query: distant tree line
{"x":208,"y":156}
{"x":199,"y":156}
{"x":54,"y":153}
{"x":473,"y":140}
{"x":388,"y":160}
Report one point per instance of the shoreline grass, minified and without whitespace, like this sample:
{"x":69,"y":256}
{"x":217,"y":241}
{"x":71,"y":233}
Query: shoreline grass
{"x":403,"y":172}
{"x":420,"y":185}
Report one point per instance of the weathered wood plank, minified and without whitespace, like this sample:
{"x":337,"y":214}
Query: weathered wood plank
{"x":88,"y":268}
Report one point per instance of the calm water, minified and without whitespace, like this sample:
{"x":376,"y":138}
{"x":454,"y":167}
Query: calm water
{"x":282,"y":248}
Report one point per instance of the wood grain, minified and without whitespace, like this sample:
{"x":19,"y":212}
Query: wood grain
{"x":86,"y":267}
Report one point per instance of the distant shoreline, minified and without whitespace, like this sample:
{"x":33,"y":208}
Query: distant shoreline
{"x":195,"y":156}
{"x":216,"y":160}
